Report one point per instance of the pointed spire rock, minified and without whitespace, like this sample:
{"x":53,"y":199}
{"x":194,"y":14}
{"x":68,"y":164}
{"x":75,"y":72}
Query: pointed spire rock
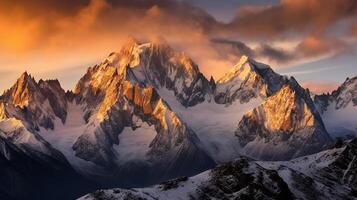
{"x":25,"y":77}
{"x":19,"y":93}
{"x":212,"y":82}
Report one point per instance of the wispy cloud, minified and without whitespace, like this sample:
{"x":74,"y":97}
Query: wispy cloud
{"x":310,"y":71}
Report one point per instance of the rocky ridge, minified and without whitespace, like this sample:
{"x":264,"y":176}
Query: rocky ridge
{"x":287,"y":124}
{"x":246,"y":80}
{"x":338,"y":109}
{"x":326,"y":175}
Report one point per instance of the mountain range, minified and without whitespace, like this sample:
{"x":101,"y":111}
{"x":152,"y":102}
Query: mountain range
{"x":146,"y":114}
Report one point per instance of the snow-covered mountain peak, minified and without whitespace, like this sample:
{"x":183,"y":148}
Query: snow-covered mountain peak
{"x":340,"y":98}
{"x":20,"y":93}
{"x":242,"y":69}
{"x":346,"y":93}
{"x":338,"y":109}
{"x":287,"y":124}
{"x":156,"y":53}
{"x":153,"y":64}
{"x":246,"y":80}
{"x":37,"y":103}
{"x":157,"y":64}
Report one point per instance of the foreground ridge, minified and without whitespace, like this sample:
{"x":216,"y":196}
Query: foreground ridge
{"x":325,"y":175}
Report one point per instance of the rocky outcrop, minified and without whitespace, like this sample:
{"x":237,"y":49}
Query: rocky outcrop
{"x":238,"y":179}
{"x":329,"y":174}
{"x":343,"y":169}
{"x":285,"y":126}
{"x":244,"y":179}
{"x":326,"y":175}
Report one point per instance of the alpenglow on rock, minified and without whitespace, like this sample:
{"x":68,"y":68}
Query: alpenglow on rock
{"x":285,"y":126}
{"x":157,"y":64}
{"x":120,"y":94}
{"x":36,"y":103}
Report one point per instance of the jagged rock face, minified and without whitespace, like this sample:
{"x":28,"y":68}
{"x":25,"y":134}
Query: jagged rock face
{"x":123,"y":88}
{"x":26,"y":158}
{"x":93,"y":86}
{"x":114,"y":99}
{"x":329,"y":174}
{"x":243,"y":179}
{"x":36,"y":103}
{"x":343,"y":170}
{"x":56,"y":97}
{"x":338,"y":109}
{"x":159,"y":65}
{"x":248,"y":79}
{"x":285,"y":126}
{"x":346,"y":94}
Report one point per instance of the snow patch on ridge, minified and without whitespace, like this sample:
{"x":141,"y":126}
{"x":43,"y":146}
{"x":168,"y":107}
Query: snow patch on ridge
{"x":14,"y":129}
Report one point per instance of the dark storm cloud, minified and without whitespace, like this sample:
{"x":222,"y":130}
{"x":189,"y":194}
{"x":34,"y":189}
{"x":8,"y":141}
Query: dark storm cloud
{"x":292,"y":15}
{"x":275,"y":54}
{"x":238,"y":48}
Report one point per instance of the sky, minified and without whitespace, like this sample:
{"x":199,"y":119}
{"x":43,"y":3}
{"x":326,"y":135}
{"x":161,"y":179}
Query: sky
{"x":313,"y":40}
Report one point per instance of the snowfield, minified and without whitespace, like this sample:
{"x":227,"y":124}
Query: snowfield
{"x":213,"y":123}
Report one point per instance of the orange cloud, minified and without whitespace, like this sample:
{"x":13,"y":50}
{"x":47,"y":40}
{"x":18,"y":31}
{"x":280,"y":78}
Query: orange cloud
{"x":293,"y":15}
{"x":315,"y":46}
{"x":14,"y":34}
{"x":49,"y":37}
{"x":45,"y":39}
